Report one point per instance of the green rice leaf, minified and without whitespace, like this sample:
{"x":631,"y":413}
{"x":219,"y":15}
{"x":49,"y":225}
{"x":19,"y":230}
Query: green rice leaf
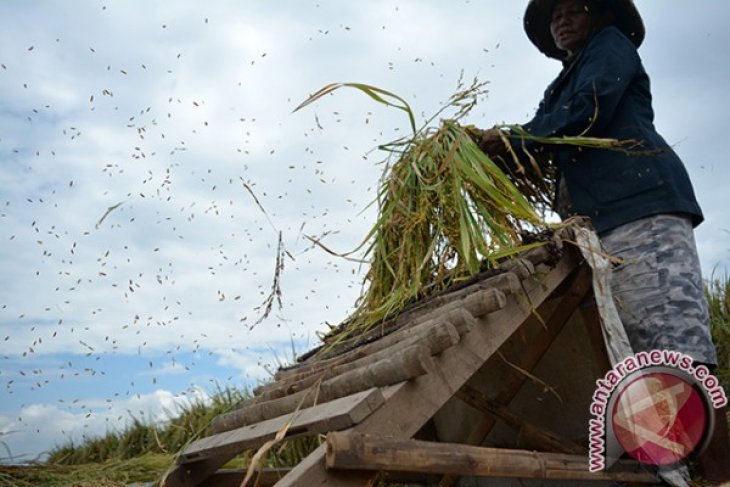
{"x":378,"y":94}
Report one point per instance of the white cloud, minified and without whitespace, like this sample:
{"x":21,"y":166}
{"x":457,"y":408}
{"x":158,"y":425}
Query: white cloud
{"x":39,"y":427}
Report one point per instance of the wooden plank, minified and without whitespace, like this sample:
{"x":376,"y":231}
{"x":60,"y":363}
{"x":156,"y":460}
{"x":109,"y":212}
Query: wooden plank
{"x":354,"y":451}
{"x":547,"y":440}
{"x":203,"y":457}
{"x":413,"y":403}
{"x":335,"y":415}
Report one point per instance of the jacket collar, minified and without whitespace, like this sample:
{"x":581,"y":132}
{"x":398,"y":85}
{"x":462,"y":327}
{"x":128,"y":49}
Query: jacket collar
{"x":569,"y":65}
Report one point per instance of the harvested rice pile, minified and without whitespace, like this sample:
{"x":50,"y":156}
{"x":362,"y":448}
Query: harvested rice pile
{"x":444,"y":207}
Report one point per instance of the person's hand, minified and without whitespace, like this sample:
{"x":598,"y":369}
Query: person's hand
{"x":492,"y":144}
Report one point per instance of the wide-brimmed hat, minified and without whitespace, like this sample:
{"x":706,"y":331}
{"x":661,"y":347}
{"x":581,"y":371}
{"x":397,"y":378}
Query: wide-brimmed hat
{"x":539,"y":13}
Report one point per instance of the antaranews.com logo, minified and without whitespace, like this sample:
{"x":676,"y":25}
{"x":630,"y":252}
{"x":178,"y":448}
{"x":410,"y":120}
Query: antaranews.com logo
{"x":656,"y":406}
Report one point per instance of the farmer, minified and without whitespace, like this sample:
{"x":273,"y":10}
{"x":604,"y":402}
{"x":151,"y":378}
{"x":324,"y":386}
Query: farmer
{"x":641,"y":204}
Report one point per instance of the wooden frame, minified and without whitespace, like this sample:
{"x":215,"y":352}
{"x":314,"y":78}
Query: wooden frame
{"x":449,"y":343}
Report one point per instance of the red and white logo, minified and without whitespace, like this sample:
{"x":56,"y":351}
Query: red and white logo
{"x":657,"y":406}
{"x":660,"y":418}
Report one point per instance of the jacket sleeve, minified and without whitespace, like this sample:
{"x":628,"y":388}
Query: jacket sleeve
{"x":607,"y":65}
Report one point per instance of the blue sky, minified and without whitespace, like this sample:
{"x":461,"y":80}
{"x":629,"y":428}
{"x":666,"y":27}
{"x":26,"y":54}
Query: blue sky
{"x":174,"y":109}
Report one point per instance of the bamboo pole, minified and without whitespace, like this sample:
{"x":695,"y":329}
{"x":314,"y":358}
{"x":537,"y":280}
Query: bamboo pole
{"x":354,"y":451}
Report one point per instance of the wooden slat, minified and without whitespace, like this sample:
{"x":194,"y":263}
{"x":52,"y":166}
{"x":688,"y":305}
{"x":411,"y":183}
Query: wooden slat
{"x":412,"y":404}
{"x":354,"y":451}
{"x":203,"y":457}
{"x":335,"y":415}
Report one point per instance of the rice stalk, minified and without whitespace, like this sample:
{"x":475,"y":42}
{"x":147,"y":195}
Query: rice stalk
{"x":275,"y":293}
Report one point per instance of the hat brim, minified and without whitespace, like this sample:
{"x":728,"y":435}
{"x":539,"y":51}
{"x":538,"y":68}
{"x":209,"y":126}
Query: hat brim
{"x":539,"y":12}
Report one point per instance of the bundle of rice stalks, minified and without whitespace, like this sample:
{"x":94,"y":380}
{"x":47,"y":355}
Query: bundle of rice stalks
{"x":444,"y":207}
{"x":446,"y":210}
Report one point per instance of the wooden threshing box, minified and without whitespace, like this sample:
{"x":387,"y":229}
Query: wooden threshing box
{"x":488,"y":384}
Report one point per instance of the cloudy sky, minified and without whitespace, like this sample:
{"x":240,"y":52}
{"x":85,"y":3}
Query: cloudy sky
{"x":181,"y":114}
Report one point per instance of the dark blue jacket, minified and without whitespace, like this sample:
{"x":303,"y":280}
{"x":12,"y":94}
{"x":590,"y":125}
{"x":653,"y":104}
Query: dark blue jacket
{"x":604,"y":92}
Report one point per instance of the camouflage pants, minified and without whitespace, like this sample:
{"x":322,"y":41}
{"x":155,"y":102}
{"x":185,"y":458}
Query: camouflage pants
{"x":657,"y":286}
